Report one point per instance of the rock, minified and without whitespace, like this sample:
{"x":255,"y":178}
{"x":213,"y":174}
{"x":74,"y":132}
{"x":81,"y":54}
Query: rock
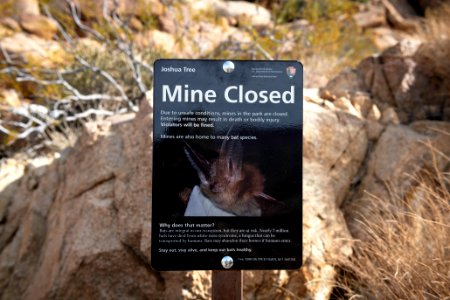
{"x":141,"y":8}
{"x":84,"y":229}
{"x":346,"y":133}
{"x":10,"y":23}
{"x":9,"y":98}
{"x":374,"y":113}
{"x":335,"y":145}
{"x":401,"y":78}
{"x":201,"y":6}
{"x":343,"y":85}
{"x":362,"y":103}
{"x":345,"y":104}
{"x":400,"y":156}
{"x":33,"y":49}
{"x":135,"y":24}
{"x":244,"y":12}
{"x":312,"y":95}
{"x":168,"y":21}
{"x":384,"y":37}
{"x":205,"y":38}
{"x":39,"y":25}
{"x":374,"y":130}
{"x":401,"y":15}
{"x":27,"y":7}
{"x":202,"y":38}
{"x":325,"y":234}
{"x":237,"y":12}
{"x":389,"y":116}
{"x":86,"y":44}
{"x":159,"y":40}
{"x":392,"y":73}
{"x":10,"y":172}
{"x":4,"y":32}
{"x":22,"y":228}
{"x":373,"y":16}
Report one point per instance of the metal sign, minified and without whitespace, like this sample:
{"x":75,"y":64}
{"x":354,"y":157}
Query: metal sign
{"x":227,"y":165}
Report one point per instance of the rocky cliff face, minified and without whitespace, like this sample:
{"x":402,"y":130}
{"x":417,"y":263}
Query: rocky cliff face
{"x":77,"y":224}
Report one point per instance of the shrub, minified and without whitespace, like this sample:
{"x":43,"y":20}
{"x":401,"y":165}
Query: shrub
{"x":101,"y":76}
{"x":406,"y":250}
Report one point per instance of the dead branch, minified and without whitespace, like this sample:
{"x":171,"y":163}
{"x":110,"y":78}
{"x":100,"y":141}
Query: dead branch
{"x":74,"y":105}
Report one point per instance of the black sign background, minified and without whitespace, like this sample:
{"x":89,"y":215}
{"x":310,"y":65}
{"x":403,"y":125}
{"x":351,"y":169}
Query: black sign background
{"x":270,"y":241}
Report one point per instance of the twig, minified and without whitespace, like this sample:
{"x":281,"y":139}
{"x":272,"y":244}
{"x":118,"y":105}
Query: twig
{"x":74,"y":104}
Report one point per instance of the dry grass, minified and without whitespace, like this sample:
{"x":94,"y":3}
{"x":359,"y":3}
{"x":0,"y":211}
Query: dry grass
{"x":406,"y":250}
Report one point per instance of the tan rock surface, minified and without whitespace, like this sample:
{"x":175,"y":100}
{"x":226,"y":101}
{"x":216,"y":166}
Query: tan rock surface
{"x":93,"y":9}
{"x":244,"y":12}
{"x":372,"y":16}
{"x":82,"y":224}
{"x":405,"y":77}
{"x":401,"y":155}
{"x":33,"y":49}
{"x":348,"y":137}
{"x":19,"y":7}
{"x":39,"y":25}
{"x":335,"y":145}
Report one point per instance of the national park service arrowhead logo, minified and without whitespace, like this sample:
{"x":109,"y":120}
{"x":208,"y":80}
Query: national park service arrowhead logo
{"x":290,"y":71}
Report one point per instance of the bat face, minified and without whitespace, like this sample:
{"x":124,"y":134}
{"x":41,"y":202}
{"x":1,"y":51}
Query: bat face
{"x":237,"y":192}
{"x":231,"y":185}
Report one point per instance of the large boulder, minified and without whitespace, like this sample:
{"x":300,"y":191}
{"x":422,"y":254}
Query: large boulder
{"x":411,"y":77}
{"x":335,"y":145}
{"x":17,"y":8}
{"x":370,"y":16}
{"x":338,"y":142}
{"x":69,"y":229}
{"x":244,"y":12}
{"x":400,"y":158}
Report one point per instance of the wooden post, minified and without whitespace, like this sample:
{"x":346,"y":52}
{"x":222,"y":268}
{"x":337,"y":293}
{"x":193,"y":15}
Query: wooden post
{"x":227,"y":285}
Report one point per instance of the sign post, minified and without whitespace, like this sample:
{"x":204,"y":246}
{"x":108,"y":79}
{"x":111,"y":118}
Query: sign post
{"x":227,"y":168}
{"x":227,"y":285}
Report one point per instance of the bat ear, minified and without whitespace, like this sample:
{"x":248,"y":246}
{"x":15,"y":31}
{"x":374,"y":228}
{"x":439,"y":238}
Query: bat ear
{"x":230,"y":159}
{"x":198,"y":162}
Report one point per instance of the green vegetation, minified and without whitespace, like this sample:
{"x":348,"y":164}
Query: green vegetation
{"x":288,"y":10}
{"x":114,"y":62}
{"x":7,"y":8}
{"x":328,"y":40}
